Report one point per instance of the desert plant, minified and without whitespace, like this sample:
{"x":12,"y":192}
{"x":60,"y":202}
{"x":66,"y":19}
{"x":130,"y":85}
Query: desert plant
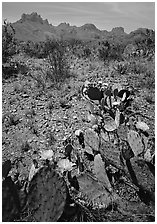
{"x":103,"y":51}
{"x":121,"y":68}
{"x":150,"y":98}
{"x":33,"y":49}
{"x":86,"y":52}
{"x":8,"y":42}
{"x":58,"y":67}
{"x":39,"y":75}
{"x":51,"y":199}
{"x":51,"y":138}
{"x":25,"y":147}
{"x":13,"y":120}
{"x":50,"y":105}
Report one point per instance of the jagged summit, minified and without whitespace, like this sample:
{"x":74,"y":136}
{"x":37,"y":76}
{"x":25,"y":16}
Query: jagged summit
{"x":89,"y":26}
{"x":64,"y":25}
{"x":118,"y":30}
{"x":33,"y":17}
{"x":33,"y":27}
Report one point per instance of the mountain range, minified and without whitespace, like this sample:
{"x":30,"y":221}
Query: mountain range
{"x":32,"y":27}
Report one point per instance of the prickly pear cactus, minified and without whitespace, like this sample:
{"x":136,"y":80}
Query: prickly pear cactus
{"x":117,"y":117}
{"x":6,"y":167}
{"x":122,"y":132}
{"x":110,"y":124}
{"x":10,"y":201}
{"x":91,"y":141}
{"x":110,"y":153}
{"x":126,"y":150}
{"x":96,"y":195}
{"x":100,"y":172}
{"x":145,"y":141}
{"x":47,"y":195}
{"x":135,"y":142}
{"x":117,"y":86}
{"x":142,"y":126}
{"x":150,"y":152}
{"x":90,"y":107}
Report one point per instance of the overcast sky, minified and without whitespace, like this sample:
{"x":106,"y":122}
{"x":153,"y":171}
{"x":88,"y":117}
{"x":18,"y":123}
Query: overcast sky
{"x":105,"y":15}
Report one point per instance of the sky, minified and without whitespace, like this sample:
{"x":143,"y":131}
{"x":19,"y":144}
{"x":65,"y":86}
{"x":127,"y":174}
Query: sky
{"x":104,"y":15}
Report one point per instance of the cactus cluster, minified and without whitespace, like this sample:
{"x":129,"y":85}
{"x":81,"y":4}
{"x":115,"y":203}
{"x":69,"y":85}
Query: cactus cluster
{"x":47,"y":195}
{"x":113,"y":114}
{"x":135,"y":142}
{"x":113,"y":139}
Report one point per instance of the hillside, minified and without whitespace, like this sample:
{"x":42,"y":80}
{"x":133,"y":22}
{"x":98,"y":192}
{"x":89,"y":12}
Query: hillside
{"x":78,"y":124}
{"x":33,"y":27}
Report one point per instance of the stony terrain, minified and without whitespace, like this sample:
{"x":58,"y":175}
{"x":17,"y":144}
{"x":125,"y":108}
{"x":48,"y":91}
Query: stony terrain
{"x":34,"y":120}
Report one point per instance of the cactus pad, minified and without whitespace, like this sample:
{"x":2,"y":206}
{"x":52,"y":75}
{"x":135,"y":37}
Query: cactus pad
{"x":117,"y":117}
{"x":145,"y":141}
{"x":91,"y":140}
{"x":110,"y":124}
{"x":93,"y":93}
{"x":90,"y":107}
{"x":122,"y":132}
{"x":100,"y":172}
{"x":126,"y":150}
{"x":110,"y":153}
{"x":32,"y":172}
{"x":150,"y":152}
{"x":115,"y":93}
{"x":142,"y":126}
{"x":95,"y":193}
{"x":117,"y":86}
{"x":6,"y":167}
{"x":47,"y":195}
{"x":10,"y":201}
{"x":135,"y":142}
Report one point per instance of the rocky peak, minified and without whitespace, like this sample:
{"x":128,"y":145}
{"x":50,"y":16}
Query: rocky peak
{"x":118,"y":30}
{"x":89,"y":26}
{"x":33,"y":17}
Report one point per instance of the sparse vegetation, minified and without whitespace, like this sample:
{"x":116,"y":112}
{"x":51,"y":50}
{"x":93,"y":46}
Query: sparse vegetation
{"x":25,"y":147}
{"x":8,"y":42}
{"x":58,"y":66}
{"x":50,"y":111}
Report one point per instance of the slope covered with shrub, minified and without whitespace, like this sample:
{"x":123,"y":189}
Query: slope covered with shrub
{"x":78,"y":116}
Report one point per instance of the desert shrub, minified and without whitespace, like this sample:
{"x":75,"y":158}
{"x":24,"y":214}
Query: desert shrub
{"x":8,"y":42}
{"x":22,"y":68}
{"x":86,"y":52}
{"x":115,"y":52}
{"x":137,"y":67}
{"x":121,"y":67}
{"x":149,"y":97}
{"x":25,"y":147}
{"x":51,"y":140}
{"x":145,"y":73}
{"x":13,"y":68}
{"x":32,"y":49}
{"x":50,"y":105}
{"x":8,"y":50}
{"x":149,"y":80}
{"x":8,"y":70}
{"x":108,"y":52}
{"x":13,"y":120}
{"x":39,"y":75}
{"x":56,"y":57}
{"x":103,"y":51}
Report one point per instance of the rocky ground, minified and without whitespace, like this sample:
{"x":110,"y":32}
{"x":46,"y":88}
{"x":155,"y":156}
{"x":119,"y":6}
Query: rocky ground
{"x":34,"y":120}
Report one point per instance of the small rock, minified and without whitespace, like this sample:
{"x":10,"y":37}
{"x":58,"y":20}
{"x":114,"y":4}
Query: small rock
{"x":25,"y":96}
